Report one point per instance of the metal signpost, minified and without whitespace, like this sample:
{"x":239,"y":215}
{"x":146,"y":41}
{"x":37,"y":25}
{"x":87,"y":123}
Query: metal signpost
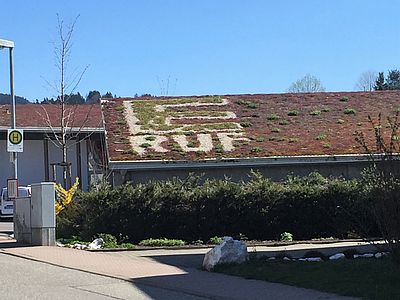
{"x":18,"y":144}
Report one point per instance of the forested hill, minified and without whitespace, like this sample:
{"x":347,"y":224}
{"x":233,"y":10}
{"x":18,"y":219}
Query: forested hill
{"x":6,"y":99}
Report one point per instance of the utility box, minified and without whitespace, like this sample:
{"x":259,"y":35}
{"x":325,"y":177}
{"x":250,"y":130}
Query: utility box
{"x":43,"y":203}
{"x":35,"y":216}
{"x":43,"y":216}
{"x":22,"y":220}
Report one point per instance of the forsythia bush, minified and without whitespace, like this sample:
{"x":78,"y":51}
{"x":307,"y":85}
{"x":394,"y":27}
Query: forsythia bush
{"x":64,"y":197}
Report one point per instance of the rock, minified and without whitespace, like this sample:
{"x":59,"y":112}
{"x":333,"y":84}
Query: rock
{"x":79,"y":246}
{"x":313,"y":259}
{"x":229,"y":251}
{"x":58,"y":244}
{"x":366,"y":255}
{"x":381,"y":254}
{"x":271,"y":258}
{"x":337,"y":256}
{"x":96,"y":244}
{"x":286,"y":258}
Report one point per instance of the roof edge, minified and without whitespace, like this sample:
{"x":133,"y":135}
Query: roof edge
{"x":244,"y":162}
{"x":56,"y":129}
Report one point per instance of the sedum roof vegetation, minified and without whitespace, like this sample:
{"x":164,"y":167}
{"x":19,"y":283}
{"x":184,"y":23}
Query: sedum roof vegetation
{"x":244,"y":126}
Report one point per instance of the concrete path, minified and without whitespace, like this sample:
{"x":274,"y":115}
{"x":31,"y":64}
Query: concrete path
{"x":150,"y":271}
{"x":26,"y":279}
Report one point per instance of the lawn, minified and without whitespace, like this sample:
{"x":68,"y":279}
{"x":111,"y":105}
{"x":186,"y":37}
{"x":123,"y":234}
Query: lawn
{"x":366,"y":278}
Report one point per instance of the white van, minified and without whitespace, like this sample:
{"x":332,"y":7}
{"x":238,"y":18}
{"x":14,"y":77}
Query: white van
{"x":7,"y":205}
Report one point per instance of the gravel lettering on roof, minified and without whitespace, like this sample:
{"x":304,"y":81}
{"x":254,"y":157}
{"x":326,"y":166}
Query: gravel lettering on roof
{"x":242,"y":126}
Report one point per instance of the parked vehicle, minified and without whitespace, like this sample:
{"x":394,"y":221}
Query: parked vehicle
{"x":7,"y":205}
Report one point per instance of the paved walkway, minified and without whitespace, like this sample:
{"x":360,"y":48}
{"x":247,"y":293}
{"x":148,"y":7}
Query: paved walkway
{"x":23,"y":279}
{"x":174,"y":271}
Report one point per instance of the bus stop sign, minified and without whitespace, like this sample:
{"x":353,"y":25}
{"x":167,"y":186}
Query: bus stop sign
{"x":15,"y":140}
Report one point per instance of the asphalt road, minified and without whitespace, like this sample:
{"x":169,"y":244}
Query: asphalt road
{"x":6,"y":226}
{"x":25,"y":279}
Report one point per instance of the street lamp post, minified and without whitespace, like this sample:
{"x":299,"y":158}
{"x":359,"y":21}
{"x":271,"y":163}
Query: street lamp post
{"x":10,"y":46}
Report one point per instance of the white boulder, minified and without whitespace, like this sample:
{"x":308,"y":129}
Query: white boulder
{"x":366,"y":255}
{"x":313,"y":259}
{"x":96,"y":244}
{"x":337,"y":256}
{"x":229,"y":251}
{"x":286,"y":258}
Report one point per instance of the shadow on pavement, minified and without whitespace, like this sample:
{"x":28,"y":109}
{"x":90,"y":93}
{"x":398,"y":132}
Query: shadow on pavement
{"x":181,"y":260}
{"x":199,"y":284}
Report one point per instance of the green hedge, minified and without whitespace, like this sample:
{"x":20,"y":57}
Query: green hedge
{"x":193,"y":209}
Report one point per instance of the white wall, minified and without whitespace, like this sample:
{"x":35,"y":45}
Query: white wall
{"x":31,"y":167}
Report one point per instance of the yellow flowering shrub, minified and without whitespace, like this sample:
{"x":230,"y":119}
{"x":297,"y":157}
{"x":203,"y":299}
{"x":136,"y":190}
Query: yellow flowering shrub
{"x":64,"y":197}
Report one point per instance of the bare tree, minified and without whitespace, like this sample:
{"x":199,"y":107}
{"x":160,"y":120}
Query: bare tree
{"x":306,"y":84}
{"x":367,"y":80}
{"x":164,"y":85}
{"x":65,"y":130}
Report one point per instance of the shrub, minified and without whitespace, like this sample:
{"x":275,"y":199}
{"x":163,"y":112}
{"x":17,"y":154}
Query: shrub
{"x":344,"y":99}
{"x":293,"y":113}
{"x":215,"y":240}
{"x":145,"y":145}
{"x":256,"y":149}
{"x":349,"y":111}
{"x":245,"y":124}
{"x":110,"y":241}
{"x":381,"y":184}
{"x":150,"y":138}
{"x":327,"y":145}
{"x":276,"y":130}
{"x":286,"y":237}
{"x":248,"y":104}
{"x":273,"y":117}
{"x":191,"y":209}
{"x":161,"y":242}
{"x":321,"y":136}
{"x":315,"y":113}
{"x":283,"y":122}
{"x":120,"y":108}
{"x":126,"y":246}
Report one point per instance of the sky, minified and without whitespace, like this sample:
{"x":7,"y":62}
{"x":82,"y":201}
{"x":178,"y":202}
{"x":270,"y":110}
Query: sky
{"x":187,"y":47}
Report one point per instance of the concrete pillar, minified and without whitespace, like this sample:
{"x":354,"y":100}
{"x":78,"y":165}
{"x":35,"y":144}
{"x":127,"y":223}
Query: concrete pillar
{"x":43,"y":216}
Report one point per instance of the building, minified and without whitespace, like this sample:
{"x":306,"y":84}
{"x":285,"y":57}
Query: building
{"x":41,"y":123}
{"x":230,"y":135}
